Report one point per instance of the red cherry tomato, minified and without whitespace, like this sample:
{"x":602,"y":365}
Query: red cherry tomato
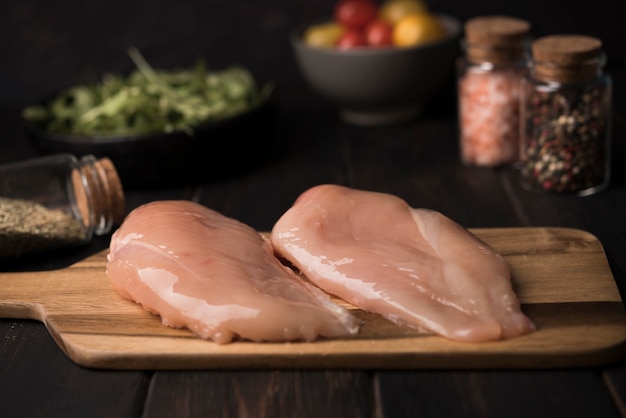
{"x":351,"y":38}
{"x":355,"y":14}
{"x":379,"y":34}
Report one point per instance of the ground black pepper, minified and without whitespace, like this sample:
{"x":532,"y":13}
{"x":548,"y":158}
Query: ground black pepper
{"x":27,"y":227}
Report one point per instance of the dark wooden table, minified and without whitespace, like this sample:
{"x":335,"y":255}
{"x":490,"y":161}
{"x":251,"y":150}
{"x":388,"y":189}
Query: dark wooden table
{"x":417,"y":161}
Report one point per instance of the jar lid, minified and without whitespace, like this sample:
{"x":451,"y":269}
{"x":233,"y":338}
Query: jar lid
{"x":496,"y":30}
{"x":497,"y":39}
{"x":566,"y":50}
{"x":567,"y":58}
{"x":99,"y":192}
{"x":113,"y":189}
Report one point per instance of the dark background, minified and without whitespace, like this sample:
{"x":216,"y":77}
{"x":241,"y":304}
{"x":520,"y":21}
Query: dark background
{"x":50,"y":44}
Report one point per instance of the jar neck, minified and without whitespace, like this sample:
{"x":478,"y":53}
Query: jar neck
{"x":99,"y":194}
{"x":512,"y":54}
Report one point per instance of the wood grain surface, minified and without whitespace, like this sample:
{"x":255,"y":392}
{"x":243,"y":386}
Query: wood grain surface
{"x":561,"y":275}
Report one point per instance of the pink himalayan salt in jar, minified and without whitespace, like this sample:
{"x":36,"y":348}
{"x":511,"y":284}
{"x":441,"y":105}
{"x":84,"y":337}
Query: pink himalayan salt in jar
{"x":490,"y":75}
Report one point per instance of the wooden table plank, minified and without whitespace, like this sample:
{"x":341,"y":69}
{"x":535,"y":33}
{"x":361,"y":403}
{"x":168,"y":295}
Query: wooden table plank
{"x":280,"y":394}
{"x":38,"y":380}
{"x":470,"y":394}
{"x":615,"y":380}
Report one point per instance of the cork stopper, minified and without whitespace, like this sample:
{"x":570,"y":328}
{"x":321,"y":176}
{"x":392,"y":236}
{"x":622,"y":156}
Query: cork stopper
{"x":567,"y":58}
{"x":99,"y":194}
{"x":498,"y":39}
{"x":114,"y":203}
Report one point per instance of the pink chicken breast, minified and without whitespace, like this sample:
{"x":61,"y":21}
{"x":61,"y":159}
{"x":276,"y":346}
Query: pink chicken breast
{"x":216,"y":276}
{"x":415,"y":267}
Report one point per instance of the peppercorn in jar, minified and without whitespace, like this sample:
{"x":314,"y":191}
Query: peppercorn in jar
{"x":566,"y":114}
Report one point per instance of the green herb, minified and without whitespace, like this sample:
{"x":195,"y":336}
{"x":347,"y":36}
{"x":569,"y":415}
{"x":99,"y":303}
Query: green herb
{"x":150,"y":100}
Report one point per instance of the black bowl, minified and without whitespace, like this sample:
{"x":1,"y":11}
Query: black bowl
{"x":216,"y":149}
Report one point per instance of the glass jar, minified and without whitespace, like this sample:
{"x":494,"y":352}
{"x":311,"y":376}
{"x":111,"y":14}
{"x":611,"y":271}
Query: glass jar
{"x":566,"y":117}
{"x":56,"y":201}
{"x":490,"y":73}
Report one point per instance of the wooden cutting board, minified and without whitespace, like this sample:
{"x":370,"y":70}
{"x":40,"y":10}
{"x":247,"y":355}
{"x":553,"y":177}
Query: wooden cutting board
{"x":561,"y":275}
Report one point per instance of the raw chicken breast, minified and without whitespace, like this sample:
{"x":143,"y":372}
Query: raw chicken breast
{"x":216,"y":276}
{"x":415,"y":267}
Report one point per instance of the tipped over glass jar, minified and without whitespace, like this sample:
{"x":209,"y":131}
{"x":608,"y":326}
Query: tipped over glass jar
{"x":57,"y":201}
{"x":566,"y":117}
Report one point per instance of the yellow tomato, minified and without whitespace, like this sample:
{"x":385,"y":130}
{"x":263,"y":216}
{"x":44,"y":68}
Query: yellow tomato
{"x":417,"y":28}
{"x":393,"y":10}
{"x":323,"y":34}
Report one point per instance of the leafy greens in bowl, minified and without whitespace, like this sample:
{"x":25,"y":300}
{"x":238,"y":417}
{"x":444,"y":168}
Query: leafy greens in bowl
{"x":161,"y":127}
{"x":149,"y":100}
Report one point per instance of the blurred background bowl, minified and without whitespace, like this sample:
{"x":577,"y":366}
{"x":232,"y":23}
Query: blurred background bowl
{"x":378,"y":86}
{"x":215,"y":150}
